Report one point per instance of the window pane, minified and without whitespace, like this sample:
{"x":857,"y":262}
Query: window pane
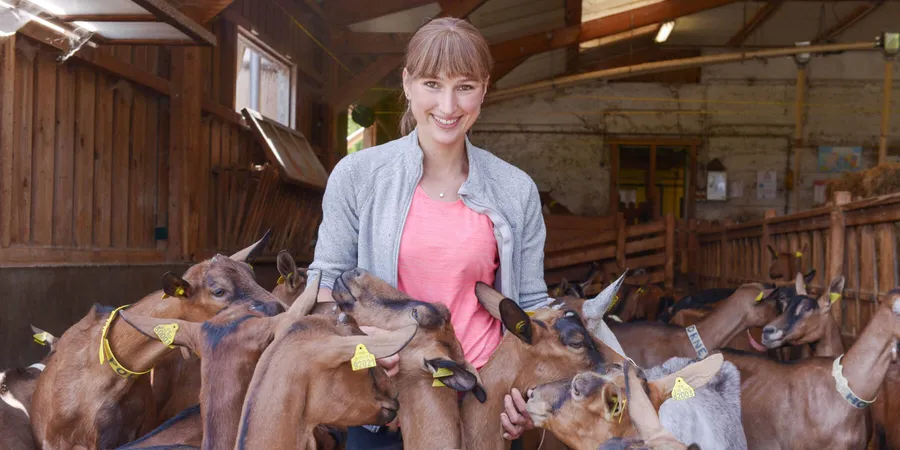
{"x":242,"y":91}
{"x":264,"y":82}
{"x":275,"y":91}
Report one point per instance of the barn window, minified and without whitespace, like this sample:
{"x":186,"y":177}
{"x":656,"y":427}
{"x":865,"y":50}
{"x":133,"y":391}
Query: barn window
{"x":266,"y":82}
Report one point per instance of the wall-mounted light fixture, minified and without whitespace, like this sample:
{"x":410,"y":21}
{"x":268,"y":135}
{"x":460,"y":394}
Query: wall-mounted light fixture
{"x":664,"y":31}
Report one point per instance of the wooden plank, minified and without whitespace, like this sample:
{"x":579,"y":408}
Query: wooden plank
{"x":602,"y":237}
{"x":109,"y":18}
{"x":150,"y":176}
{"x":42,"y":256}
{"x":83,"y":199}
{"x":656,"y":243}
{"x":818,"y":257}
{"x":103,"y":138}
{"x":163,"y":174}
{"x":670,"y":250}
{"x":347,"y":12}
{"x":847,"y":21}
{"x":579,"y":257}
{"x":137,"y":184}
{"x":7,"y":135}
{"x":167,"y":13}
{"x":887,"y":257}
{"x":64,"y":201}
{"x":643,"y":229}
{"x":214,"y":197}
{"x":44,"y":143}
{"x":621,"y":237}
{"x":836,"y":249}
{"x":806,"y":261}
{"x":654,"y":260}
{"x":184,"y":152}
{"x":201,"y":174}
{"x":867,"y":267}
{"x":121,"y":157}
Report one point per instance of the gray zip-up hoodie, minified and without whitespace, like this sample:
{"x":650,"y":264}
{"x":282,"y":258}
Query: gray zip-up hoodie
{"x":368,"y":196}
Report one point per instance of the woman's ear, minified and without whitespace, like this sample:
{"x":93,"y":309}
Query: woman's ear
{"x":406,"y":83}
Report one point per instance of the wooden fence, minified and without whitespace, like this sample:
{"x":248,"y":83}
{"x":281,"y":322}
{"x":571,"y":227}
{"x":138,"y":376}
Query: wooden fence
{"x":574,"y":242}
{"x":856,"y":239}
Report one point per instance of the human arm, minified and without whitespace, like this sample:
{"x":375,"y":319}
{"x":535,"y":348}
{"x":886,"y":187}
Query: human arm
{"x":338,"y":235}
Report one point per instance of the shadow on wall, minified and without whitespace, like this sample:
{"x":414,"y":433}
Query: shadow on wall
{"x":55,"y":298}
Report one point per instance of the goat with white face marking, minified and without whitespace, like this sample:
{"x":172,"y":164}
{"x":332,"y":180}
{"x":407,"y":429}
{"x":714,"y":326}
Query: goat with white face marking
{"x":808,"y":320}
{"x":16,"y":389}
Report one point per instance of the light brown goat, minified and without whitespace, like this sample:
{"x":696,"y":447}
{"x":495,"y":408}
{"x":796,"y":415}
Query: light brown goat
{"x":545,"y":345}
{"x":785,"y":264}
{"x":83,"y":402}
{"x":798,"y":405}
{"x":650,"y":344}
{"x":594,"y":406}
{"x":304,"y":378}
{"x":429,"y":415}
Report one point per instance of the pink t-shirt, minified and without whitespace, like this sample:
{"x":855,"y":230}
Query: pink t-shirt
{"x":445,"y":248}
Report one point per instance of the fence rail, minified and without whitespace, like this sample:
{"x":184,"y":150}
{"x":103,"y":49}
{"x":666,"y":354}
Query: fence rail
{"x":855,"y":239}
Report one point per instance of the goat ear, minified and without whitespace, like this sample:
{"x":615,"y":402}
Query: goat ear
{"x":695,"y":375}
{"x":596,"y":308}
{"x":516,"y":320}
{"x":187,"y":334}
{"x":808,"y":278}
{"x":307,"y":300}
{"x":832,"y":294}
{"x":44,"y":338}
{"x":800,"y":285}
{"x":591,"y":276}
{"x":772,"y":252}
{"x":641,"y":410}
{"x":489,"y":298}
{"x":250,"y":253}
{"x":460,"y":379}
{"x":381,"y":345}
{"x":286,"y":265}
{"x":175,"y":286}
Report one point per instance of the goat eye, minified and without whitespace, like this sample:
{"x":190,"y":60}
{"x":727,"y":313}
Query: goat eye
{"x":578,"y":344}
{"x":219,"y":292}
{"x":3,"y":389}
{"x":569,"y":314}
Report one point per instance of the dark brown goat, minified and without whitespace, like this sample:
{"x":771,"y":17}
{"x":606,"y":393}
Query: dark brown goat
{"x":650,"y":344}
{"x":81,"y":401}
{"x":545,"y":345}
{"x":429,"y":415}
{"x":785,"y":264}
{"x":807,"y":320}
{"x":784,"y":404}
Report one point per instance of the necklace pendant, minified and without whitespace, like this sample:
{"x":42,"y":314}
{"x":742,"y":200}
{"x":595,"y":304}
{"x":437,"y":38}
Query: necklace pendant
{"x":442,"y":195}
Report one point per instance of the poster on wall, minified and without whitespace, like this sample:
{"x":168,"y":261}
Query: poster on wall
{"x":766,"y":185}
{"x":839,"y":159}
{"x":716,"y":185}
{"x":819,"y":191}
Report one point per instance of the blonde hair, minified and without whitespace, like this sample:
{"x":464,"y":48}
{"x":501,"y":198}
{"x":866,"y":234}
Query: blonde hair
{"x":448,"y":46}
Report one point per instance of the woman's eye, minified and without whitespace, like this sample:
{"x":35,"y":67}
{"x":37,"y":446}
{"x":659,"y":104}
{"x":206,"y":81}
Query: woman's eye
{"x":431,"y":84}
{"x":466,"y":87}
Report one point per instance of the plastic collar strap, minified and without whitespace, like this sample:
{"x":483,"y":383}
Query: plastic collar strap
{"x":694,"y":337}
{"x":843,"y":386}
{"x":106,"y":354}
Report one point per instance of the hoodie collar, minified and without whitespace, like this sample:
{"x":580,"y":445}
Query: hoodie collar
{"x":472,"y":184}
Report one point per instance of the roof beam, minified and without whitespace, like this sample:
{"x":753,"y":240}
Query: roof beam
{"x":203,"y":11}
{"x":573,"y":17}
{"x":172,"y":16}
{"x":848,"y":21}
{"x":602,"y":27}
{"x":346,"y":12}
{"x":314,"y":6}
{"x":757,"y":21}
{"x":353,"y":43}
{"x":109,"y":18}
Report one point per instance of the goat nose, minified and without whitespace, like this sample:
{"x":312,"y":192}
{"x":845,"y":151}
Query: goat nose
{"x":769,"y":330}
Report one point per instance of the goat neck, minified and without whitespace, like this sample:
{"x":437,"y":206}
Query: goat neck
{"x":830,"y":344}
{"x":867,"y":360}
{"x":425,"y":407}
{"x":737,"y":313}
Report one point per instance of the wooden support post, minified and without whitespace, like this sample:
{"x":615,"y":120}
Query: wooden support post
{"x":7,"y":144}
{"x":836,"y":248}
{"x":693,"y":248}
{"x":184,"y":153}
{"x":652,"y":196}
{"x":886,"y":110}
{"x":670,"y":251}
{"x":613,"y":179}
{"x":620,"y":240}
{"x":765,"y":258}
{"x":799,"y":107}
{"x":690,"y":208}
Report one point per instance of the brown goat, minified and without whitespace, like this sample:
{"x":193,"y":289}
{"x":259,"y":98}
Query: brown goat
{"x":541,"y":346}
{"x":783,"y":404}
{"x":291,"y":280}
{"x":183,"y":430}
{"x":593,"y":407}
{"x":650,"y":344}
{"x":785,"y":264}
{"x":807,"y":320}
{"x":82,"y":402}
{"x":429,"y":415}
{"x":307,"y":369}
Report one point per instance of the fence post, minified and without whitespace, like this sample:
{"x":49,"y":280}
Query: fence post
{"x":836,"y":249}
{"x":620,"y":241}
{"x":764,"y":245}
{"x":670,"y":251}
{"x":726,"y":263}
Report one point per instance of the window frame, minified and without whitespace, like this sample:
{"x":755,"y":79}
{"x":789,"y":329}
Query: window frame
{"x":247,"y":37}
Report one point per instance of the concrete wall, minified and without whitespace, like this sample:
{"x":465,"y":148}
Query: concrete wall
{"x":743,"y":113}
{"x":55,"y":298}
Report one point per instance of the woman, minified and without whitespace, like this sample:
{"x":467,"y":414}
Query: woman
{"x":432,"y":214}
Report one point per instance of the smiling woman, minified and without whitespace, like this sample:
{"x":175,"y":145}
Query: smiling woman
{"x":432,"y":215}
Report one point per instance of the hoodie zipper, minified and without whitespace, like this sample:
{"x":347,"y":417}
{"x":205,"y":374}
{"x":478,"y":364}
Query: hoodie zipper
{"x":501,"y":225}
{"x":409,"y":199}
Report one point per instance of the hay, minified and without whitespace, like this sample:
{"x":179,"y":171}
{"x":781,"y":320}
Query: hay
{"x":880,"y":180}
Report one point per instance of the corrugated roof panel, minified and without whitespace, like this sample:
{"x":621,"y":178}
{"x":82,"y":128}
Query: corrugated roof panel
{"x":138,"y":30}
{"x":536,"y":68}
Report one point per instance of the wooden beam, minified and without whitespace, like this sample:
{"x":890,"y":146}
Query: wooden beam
{"x":847,"y":21}
{"x":459,"y":8}
{"x":184,"y":152}
{"x":203,"y":11}
{"x":755,"y":22}
{"x":109,"y":18}
{"x":314,"y":6}
{"x":503,"y":68}
{"x":346,"y":12}
{"x":602,"y":27}
{"x":886,"y":110}
{"x":342,"y":96}
{"x":354,"y":43}
{"x":7,"y":141}
{"x":573,"y":17}
{"x":172,"y":16}
{"x":160,"y":42}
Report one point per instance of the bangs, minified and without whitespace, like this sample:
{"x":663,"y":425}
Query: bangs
{"x":450,"y":52}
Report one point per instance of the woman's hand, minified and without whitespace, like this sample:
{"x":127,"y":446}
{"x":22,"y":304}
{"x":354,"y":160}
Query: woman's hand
{"x":391,"y":364}
{"x":515,"y":417}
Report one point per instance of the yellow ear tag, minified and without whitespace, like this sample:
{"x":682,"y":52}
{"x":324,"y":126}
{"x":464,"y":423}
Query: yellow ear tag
{"x":520,"y":327}
{"x":41,"y":338}
{"x":165,"y":295}
{"x":835,"y":297}
{"x":166,"y":333}
{"x":437,"y":383}
{"x":280,"y":279}
{"x":682,"y":390}
{"x":613,"y":304}
{"x":442,"y":372}
{"x":798,"y":254}
{"x":760,"y":296}
{"x":530,"y":313}
{"x":641,"y":290}
{"x":180,"y":291}
{"x":362,"y":359}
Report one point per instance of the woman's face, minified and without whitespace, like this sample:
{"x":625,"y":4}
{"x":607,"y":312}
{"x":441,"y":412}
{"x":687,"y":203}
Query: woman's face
{"x":444,"y":108}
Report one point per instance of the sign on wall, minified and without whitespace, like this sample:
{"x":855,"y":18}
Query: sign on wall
{"x":766,"y":185}
{"x":839,"y":159}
